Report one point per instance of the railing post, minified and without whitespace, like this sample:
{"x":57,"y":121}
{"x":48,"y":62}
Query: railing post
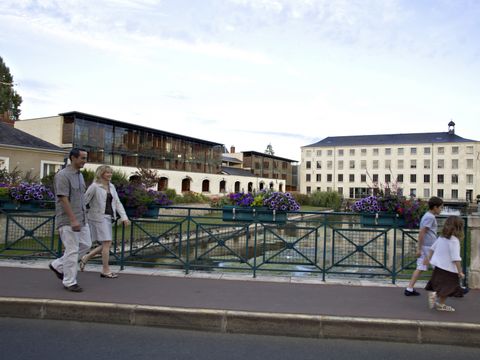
{"x":187,"y":260}
{"x":474,"y":271}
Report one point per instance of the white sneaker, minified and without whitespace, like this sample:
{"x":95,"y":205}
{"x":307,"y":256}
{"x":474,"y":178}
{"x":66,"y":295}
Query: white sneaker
{"x":432,"y":297}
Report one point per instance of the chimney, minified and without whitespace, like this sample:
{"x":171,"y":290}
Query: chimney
{"x":451,"y":127}
{"x":232,"y":149}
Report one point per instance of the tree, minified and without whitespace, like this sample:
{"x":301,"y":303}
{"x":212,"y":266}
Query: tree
{"x":10,"y":101}
{"x":269,"y":150}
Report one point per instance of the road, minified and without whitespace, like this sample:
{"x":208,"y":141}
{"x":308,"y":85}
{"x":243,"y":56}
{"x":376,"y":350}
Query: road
{"x":22,"y":339}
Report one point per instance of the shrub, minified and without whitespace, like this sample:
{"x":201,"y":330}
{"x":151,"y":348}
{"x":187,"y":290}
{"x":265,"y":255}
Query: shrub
{"x":327,"y":199}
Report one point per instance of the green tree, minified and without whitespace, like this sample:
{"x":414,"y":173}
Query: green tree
{"x":269,"y":150}
{"x":10,"y":101}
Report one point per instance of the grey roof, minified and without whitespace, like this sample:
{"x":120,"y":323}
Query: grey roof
{"x":14,"y":137}
{"x":390,"y":139}
{"x":250,"y":153}
{"x":236,"y":171}
{"x":231,"y":159}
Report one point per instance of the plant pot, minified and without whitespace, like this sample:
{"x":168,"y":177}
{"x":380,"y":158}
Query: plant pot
{"x":252,"y":214}
{"x":15,"y":206}
{"x":381,"y":220}
{"x":151,"y":212}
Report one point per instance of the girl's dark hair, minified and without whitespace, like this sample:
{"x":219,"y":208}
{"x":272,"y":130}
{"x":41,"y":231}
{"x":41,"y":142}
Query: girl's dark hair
{"x":434,"y":201}
{"x":453,"y":227}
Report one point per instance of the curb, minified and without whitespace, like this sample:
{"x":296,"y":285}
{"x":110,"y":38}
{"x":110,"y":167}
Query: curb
{"x":243,"y":322}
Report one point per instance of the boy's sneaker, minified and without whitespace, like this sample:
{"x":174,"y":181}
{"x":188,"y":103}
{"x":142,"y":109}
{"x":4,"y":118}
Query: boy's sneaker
{"x":432,"y":297}
{"x":411,"y":293}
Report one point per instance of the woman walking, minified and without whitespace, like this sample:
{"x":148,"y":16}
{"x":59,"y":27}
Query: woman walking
{"x":444,"y":255}
{"x":103,"y":205}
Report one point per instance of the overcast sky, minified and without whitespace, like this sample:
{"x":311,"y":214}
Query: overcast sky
{"x":251,"y":72}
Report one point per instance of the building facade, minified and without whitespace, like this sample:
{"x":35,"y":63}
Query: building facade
{"x":418,"y":164}
{"x":182,"y":163}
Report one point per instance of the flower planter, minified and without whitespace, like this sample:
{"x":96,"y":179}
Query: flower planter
{"x":381,"y":220}
{"x":25,"y":207}
{"x":151,"y":213}
{"x":253,"y":214}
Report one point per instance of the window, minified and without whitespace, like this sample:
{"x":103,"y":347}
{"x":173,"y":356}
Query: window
{"x":319,"y":177}
{"x":441,"y":150}
{"x":363,"y":178}
{"x":308,"y":178}
{"x":413,"y":151}
{"x":469,"y":150}
{"x":340,"y":190}
{"x":363,"y":164}
{"x":454,"y":193}
{"x":375,"y":151}
{"x":454,"y":150}
{"x":440,"y":178}
{"x":454,"y":179}
{"x":413,"y":192}
{"x":388,"y":151}
{"x":440,"y":164}
{"x":4,"y":163}
{"x":308,"y":153}
{"x":426,"y":164}
{"x":440,"y":193}
{"x":329,"y":164}
{"x":400,"y":164}
{"x":426,"y":151}
{"x":340,"y":152}
{"x":388,"y":164}
{"x":352,"y":164}
{"x":426,"y":193}
{"x":400,"y":151}
{"x":469,"y":179}
{"x":309,"y":189}
{"x":469,"y":163}
{"x":329,"y":152}
{"x":426,"y":178}
{"x":351,"y":177}
{"x":413,"y":164}
{"x":329,"y":177}
{"x":375,"y":177}
{"x":340,"y":164}
{"x":308,"y":164}
{"x":363,"y":152}
{"x":49,"y":167}
{"x":388,"y":178}
{"x":400,"y":178}
{"x":352,"y":152}
{"x":340,"y":177}
{"x":413,"y":178}
{"x":319,"y":152}
{"x":375,"y":164}
{"x":454,"y":163}
{"x":319,"y":164}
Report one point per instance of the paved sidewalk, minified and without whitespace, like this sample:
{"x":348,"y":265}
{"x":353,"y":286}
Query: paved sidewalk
{"x":267,"y":297}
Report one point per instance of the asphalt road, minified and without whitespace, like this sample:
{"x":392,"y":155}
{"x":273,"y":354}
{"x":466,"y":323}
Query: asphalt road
{"x":22,"y":339}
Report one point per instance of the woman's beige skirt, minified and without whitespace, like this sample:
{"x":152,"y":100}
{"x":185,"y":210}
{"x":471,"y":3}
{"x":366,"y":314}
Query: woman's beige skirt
{"x":101,"y":230}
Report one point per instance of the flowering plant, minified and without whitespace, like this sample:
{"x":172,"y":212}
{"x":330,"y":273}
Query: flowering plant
{"x":26,"y":192}
{"x":411,"y":210}
{"x":140,"y":198}
{"x":272,"y":199}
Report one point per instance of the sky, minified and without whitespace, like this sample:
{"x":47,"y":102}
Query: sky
{"x":249,"y":73}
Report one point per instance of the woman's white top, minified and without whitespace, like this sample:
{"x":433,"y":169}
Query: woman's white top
{"x":445,"y":252}
{"x":96,"y":198}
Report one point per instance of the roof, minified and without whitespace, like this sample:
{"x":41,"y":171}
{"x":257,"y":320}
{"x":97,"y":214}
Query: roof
{"x":236,"y":171}
{"x":231,"y":159}
{"x":390,"y":139}
{"x":249,"y":153}
{"x":11,"y":136}
{"x":136,"y":127}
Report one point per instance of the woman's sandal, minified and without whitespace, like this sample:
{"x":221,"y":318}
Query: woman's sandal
{"x":83,"y":261}
{"x":443,"y":307}
{"x":109,"y":275}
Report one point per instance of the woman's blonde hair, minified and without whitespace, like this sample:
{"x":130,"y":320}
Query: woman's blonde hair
{"x":102,"y":169}
{"x":453,"y":226}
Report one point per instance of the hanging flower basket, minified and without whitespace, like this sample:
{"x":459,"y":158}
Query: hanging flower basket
{"x":381,"y":219}
{"x":253,"y":214}
{"x":151,"y":212}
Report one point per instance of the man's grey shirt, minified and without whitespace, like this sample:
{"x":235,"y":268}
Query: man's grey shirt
{"x":69,"y":182}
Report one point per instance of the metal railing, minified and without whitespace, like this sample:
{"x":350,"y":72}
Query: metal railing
{"x":188,"y":238}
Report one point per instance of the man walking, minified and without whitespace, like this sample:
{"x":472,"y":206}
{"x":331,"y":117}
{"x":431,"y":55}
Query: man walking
{"x":71,"y":219}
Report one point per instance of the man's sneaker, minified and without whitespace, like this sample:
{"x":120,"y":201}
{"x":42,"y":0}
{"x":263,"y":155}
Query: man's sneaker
{"x":411,"y":293}
{"x":74,"y":288}
{"x":57,"y":273}
{"x":432,"y":297}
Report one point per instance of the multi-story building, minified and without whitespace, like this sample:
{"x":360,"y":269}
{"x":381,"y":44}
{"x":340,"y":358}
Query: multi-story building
{"x":419,"y":164}
{"x":183,"y":163}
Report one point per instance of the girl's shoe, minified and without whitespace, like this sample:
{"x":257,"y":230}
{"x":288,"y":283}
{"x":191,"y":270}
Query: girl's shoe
{"x":432,"y":297}
{"x":109,"y":275}
{"x":83,"y":262}
{"x":443,"y":307}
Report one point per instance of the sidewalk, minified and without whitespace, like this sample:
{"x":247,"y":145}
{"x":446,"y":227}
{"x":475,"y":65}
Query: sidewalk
{"x":239,"y":303}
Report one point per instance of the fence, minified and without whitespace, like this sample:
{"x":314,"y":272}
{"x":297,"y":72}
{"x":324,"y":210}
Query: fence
{"x":201,"y":239}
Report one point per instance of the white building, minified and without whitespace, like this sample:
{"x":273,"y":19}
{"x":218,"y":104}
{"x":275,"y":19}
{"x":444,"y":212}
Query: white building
{"x":421,"y":164}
